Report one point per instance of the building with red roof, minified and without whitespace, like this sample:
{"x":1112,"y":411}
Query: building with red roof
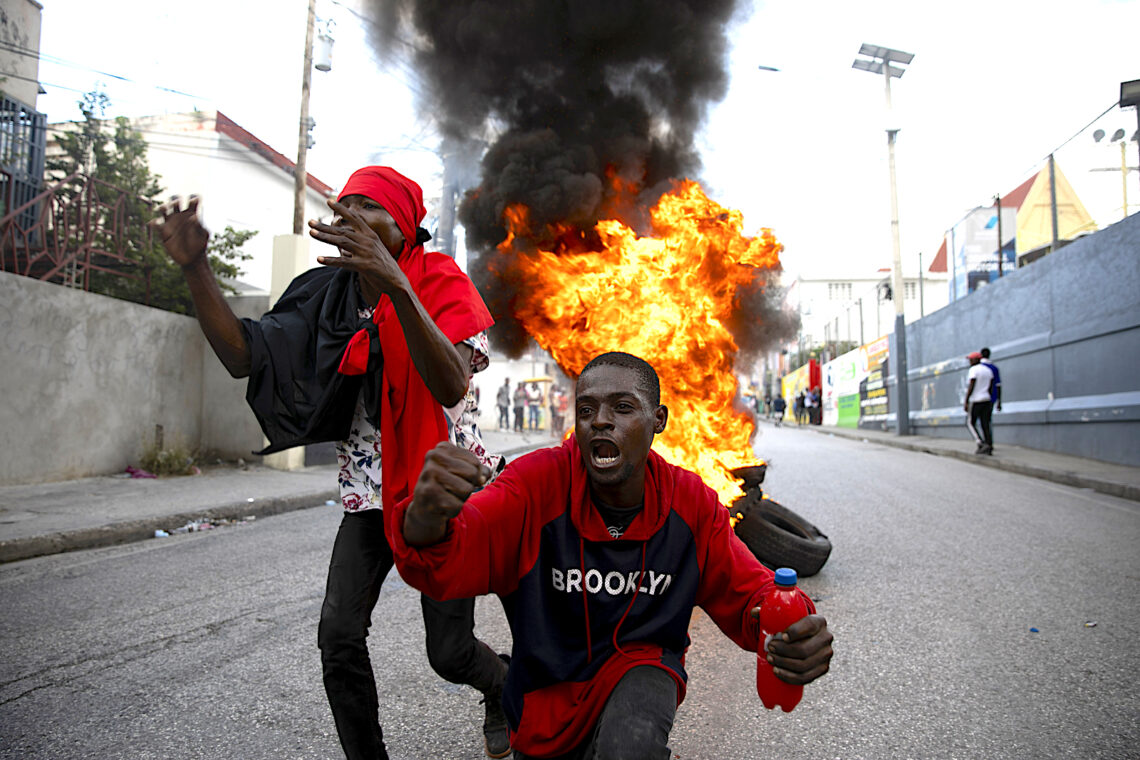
{"x":243,"y":181}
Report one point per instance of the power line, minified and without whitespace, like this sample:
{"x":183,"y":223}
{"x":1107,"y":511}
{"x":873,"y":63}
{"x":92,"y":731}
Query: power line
{"x":240,"y":152}
{"x":1036,"y":168}
{"x":411,"y":78}
{"x":38,"y":81}
{"x":1078,"y":132}
{"x":405,"y":67}
{"x":29,"y":52}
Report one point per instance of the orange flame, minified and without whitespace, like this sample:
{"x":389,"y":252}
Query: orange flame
{"x":665,"y":298}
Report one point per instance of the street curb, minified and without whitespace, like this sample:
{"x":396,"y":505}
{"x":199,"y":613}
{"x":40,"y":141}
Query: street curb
{"x":128,"y":531}
{"x":525,"y":449}
{"x":1066,"y":478}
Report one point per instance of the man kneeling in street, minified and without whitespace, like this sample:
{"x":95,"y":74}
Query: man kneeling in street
{"x":599,"y":550}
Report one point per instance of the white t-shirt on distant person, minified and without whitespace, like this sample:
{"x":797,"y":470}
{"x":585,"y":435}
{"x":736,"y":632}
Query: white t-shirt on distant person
{"x":982,"y":377}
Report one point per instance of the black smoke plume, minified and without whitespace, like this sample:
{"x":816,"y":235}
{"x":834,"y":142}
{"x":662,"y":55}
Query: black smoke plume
{"x":573,"y":98}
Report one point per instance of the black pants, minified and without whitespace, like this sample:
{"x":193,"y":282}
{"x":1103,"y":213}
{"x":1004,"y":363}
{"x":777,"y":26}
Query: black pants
{"x":979,"y":422}
{"x":636,"y":721}
{"x":504,"y":418}
{"x":361,"y":559}
{"x":519,"y":419}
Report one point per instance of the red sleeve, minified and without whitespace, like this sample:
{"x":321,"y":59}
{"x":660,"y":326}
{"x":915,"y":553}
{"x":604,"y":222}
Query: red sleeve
{"x":732,"y":580}
{"x":452,"y":300}
{"x":490,"y":545}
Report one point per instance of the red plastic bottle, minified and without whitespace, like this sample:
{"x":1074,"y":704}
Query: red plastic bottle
{"x":783,"y":607}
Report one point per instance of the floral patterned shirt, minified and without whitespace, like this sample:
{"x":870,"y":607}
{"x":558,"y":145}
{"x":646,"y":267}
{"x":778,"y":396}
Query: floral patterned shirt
{"x":359,"y":455}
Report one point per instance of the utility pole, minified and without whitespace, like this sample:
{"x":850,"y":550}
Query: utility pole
{"x":879,"y":312}
{"x":951,"y":253}
{"x":1124,"y":176}
{"x":997,"y":202}
{"x":921,"y":291}
{"x":299,"y":173}
{"x":1053,"y":202}
{"x":447,"y":204}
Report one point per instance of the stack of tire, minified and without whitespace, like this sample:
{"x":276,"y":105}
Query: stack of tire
{"x":775,"y":534}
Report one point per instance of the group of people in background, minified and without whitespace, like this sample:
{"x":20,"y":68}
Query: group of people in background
{"x":807,"y":406}
{"x":982,"y":399}
{"x":527,"y":401}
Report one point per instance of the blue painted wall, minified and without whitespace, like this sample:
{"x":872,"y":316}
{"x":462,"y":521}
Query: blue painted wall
{"x":1065,"y":333}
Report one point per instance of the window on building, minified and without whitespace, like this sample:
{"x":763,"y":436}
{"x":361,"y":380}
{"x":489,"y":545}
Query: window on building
{"x":910,"y":290}
{"x":839,"y":291}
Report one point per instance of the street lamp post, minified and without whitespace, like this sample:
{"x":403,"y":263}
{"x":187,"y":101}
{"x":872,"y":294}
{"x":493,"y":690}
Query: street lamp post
{"x":880,"y":62}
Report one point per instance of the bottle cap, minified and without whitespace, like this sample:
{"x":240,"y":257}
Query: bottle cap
{"x":785,"y":576}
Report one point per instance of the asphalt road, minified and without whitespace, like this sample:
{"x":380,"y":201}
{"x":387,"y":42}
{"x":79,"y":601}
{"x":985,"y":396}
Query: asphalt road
{"x":204,"y":645}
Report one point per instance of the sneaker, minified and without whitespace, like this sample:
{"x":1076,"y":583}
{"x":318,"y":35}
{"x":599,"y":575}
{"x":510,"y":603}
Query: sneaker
{"x":496,"y":734}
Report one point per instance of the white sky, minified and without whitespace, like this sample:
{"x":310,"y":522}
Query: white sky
{"x":994,"y":87}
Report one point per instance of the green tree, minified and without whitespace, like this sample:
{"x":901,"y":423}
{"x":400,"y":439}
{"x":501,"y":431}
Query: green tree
{"x":128,"y":260}
{"x":225,"y":250}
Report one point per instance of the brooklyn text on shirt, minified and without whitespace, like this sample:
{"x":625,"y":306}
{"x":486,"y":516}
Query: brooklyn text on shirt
{"x":614,"y":583}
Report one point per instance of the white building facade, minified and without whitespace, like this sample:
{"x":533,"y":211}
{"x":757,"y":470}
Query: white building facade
{"x":242,"y":182}
{"x":858,"y":308}
{"x":20,"y":24}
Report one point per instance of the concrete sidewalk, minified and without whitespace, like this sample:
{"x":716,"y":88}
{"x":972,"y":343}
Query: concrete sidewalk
{"x":48,"y":518}
{"x":1114,"y":479}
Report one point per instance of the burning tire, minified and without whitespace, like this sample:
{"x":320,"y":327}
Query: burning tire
{"x":781,"y":538}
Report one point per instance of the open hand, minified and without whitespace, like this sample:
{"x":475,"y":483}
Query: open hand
{"x":802,"y":653}
{"x":361,"y":248}
{"x":182,"y":233}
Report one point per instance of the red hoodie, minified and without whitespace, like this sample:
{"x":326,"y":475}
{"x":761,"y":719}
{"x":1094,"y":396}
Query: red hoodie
{"x":584,"y":607}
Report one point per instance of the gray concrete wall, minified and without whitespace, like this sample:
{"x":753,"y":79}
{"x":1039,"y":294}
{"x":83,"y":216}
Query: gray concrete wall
{"x":229,"y":428}
{"x":87,"y":378}
{"x":1065,"y":334}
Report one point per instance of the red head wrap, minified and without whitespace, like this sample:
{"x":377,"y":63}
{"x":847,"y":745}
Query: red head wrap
{"x":400,"y":197}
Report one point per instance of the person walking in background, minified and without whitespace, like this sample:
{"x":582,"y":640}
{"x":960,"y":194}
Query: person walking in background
{"x":996,"y":395}
{"x":533,"y":404}
{"x":779,"y":405}
{"x":377,"y":347}
{"x":503,"y":401}
{"x":798,"y":408}
{"x":520,"y":407}
{"x":563,"y":411}
{"x":979,"y":403}
{"x":810,"y":406}
{"x":767,"y":404}
{"x":555,"y":417}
